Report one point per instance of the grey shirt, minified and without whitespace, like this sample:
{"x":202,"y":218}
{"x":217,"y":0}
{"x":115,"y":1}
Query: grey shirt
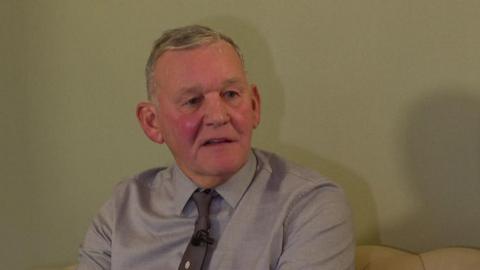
{"x":270,"y":215}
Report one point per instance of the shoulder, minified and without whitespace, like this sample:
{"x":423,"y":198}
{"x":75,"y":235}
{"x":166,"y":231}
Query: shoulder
{"x":289,"y":172}
{"x":144,"y":181}
{"x":300,"y":187}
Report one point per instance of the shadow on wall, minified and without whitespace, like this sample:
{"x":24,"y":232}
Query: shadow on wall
{"x":442,"y":155}
{"x":261,"y":69}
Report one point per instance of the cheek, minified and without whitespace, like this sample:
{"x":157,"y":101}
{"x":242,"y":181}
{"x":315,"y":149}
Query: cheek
{"x":188,"y":126}
{"x":243,"y":119}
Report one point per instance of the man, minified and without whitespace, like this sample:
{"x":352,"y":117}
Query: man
{"x":262,"y":213}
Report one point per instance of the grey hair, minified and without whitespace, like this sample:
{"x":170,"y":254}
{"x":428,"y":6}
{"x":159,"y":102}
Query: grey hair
{"x":183,"y":38}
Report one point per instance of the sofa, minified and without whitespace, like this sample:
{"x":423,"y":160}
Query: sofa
{"x":375,"y":257}
{"x":387,"y":258}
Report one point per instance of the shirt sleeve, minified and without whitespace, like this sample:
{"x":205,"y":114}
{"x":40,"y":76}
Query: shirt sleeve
{"x":318,"y":232}
{"x":95,"y":251}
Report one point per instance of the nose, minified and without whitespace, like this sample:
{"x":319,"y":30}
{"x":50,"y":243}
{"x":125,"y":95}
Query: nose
{"x":216,"y":112}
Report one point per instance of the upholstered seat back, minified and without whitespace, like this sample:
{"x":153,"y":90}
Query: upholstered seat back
{"x":385,"y":258}
{"x":452,"y":259}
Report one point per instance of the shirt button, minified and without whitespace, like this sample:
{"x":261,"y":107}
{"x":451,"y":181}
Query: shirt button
{"x":187,"y":264}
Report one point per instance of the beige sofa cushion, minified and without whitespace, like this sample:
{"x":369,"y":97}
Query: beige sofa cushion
{"x":385,"y":258}
{"x":452,"y":259}
{"x":381,"y":257}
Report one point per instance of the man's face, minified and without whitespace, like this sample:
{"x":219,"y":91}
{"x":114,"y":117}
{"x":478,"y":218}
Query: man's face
{"x":205,"y":111}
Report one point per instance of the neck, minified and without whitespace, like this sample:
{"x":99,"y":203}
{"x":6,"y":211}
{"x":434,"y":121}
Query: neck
{"x":208,"y":181}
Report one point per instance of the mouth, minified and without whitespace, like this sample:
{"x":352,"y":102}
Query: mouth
{"x":217,"y":141}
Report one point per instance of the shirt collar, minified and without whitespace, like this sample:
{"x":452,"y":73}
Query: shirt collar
{"x":231,"y":190}
{"x":184,"y":188}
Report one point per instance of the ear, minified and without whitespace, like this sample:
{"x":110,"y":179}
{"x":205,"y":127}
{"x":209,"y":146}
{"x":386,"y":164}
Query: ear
{"x":256,"y":105}
{"x":147,"y":116}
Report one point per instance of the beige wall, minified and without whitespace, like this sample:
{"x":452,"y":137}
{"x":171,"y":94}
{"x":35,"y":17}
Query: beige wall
{"x":383,"y":96}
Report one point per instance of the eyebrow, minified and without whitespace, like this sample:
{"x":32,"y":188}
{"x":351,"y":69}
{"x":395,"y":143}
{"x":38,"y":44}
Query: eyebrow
{"x":190,"y":90}
{"x":232,"y":81}
{"x":186,"y":92}
{"x":197,"y":88}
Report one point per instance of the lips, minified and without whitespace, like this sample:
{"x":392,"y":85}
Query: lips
{"x":216,"y":141}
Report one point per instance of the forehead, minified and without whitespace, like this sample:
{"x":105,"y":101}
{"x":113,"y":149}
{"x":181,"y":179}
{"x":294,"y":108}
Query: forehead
{"x":208,"y":64}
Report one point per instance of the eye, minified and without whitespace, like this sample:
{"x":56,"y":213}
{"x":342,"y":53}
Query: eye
{"x":230,"y":94}
{"x":192,"y":102}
